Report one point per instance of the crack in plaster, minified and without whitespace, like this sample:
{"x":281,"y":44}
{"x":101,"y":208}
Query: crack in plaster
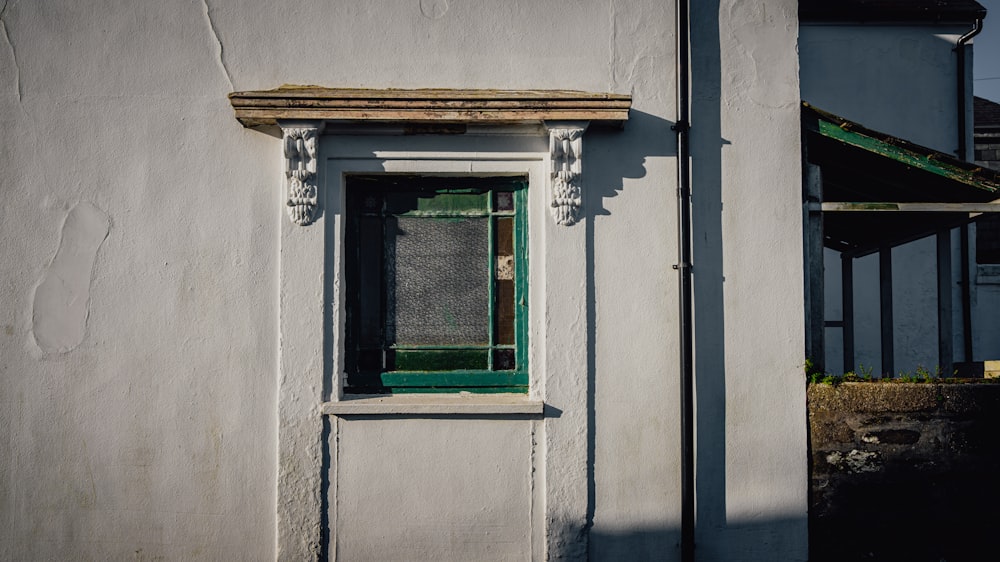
{"x":612,"y":47}
{"x":13,"y":52}
{"x":222,"y":49}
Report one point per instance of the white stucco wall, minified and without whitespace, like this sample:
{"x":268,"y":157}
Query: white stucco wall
{"x":137,"y":410}
{"x":862,"y":72}
{"x":747,"y":243}
{"x":140,"y":369}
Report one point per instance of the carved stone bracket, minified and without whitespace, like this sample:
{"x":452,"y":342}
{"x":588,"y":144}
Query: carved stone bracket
{"x":300,"y":146}
{"x":566,"y":149}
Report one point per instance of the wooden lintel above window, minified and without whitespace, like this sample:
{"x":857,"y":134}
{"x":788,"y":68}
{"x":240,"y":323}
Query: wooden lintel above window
{"x":311,"y":103}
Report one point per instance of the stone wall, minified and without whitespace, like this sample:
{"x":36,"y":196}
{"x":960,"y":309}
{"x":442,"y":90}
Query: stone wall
{"x":903,"y":471}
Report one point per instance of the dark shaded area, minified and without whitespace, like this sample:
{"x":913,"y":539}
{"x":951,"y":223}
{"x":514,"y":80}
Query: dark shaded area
{"x":712,"y":527}
{"x":903,"y":472}
{"x":940,"y":11}
{"x":735,"y":541}
{"x":987,"y":153}
{"x":646,"y":135}
{"x":637,"y":544}
{"x":988,"y":239}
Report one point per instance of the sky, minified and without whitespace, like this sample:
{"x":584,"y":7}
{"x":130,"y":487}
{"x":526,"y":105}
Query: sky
{"x":986,"y":54}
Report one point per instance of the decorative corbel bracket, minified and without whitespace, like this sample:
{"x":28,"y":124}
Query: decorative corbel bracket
{"x":300,"y":143}
{"x":566,"y":151}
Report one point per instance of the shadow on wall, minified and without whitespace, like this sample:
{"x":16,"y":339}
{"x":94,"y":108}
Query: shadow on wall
{"x":612,"y":156}
{"x":716,"y":538}
{"x":708,"y":287}
{"x":645,"y":135}
{"x":749,"y":541}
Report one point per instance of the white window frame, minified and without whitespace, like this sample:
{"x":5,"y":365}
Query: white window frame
{"x":312,"y":328}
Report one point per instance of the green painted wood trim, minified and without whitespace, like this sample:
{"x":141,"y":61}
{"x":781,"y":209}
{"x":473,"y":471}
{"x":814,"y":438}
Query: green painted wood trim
{"x":454,"y":378}
{"x":435,"y":404}
{"x":440,"y":347}
{"x":847,"y":132}
{"x":422,"y":367}
{"x":441,"y":359}
{"x":518,"y":389}
{"x":521,"y":277}
{"x":445,"y":202}
{"x":491,"y":286}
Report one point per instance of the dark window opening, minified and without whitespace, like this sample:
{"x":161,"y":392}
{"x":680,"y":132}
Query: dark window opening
{"x":988,"y":238}
{"x":436,"y":284}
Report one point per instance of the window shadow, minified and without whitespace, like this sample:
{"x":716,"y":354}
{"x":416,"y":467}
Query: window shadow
{"x":610,"y":157}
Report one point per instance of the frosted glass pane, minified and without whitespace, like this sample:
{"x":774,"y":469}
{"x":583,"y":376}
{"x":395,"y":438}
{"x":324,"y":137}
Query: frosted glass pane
{"x":438,"y":281}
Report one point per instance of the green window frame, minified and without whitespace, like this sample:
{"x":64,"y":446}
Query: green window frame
{"x":436,"y":284}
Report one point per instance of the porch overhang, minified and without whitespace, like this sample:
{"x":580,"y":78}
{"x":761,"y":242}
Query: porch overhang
{"x":866,"y":173}
{"x":865,"y":192}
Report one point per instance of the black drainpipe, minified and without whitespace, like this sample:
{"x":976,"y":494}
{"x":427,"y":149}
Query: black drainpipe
{"x":960,"y":51}
{"x":683,"y":268}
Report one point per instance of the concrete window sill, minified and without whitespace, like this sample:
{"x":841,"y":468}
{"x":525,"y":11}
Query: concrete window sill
{"x":436,"y":404}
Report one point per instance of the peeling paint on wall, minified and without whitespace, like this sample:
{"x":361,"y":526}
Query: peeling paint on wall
{"x":759,"y":39}
{"x":433,"y":9}
{"x":62,"y":299}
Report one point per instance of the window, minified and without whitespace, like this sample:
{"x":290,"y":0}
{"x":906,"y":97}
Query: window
{"x":334,"y":138}
{"x":988,"y":239}
{"x":436,"y":284}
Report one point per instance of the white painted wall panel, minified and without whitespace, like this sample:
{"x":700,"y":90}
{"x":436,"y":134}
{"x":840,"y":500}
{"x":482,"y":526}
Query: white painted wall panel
{"x":863,"y":72}
{"x":434,"y":489}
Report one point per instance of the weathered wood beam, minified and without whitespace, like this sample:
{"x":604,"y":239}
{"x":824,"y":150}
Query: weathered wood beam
{"x":849,"y":133}
{"x":298,"y":103}
{"x":814,"y":281}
